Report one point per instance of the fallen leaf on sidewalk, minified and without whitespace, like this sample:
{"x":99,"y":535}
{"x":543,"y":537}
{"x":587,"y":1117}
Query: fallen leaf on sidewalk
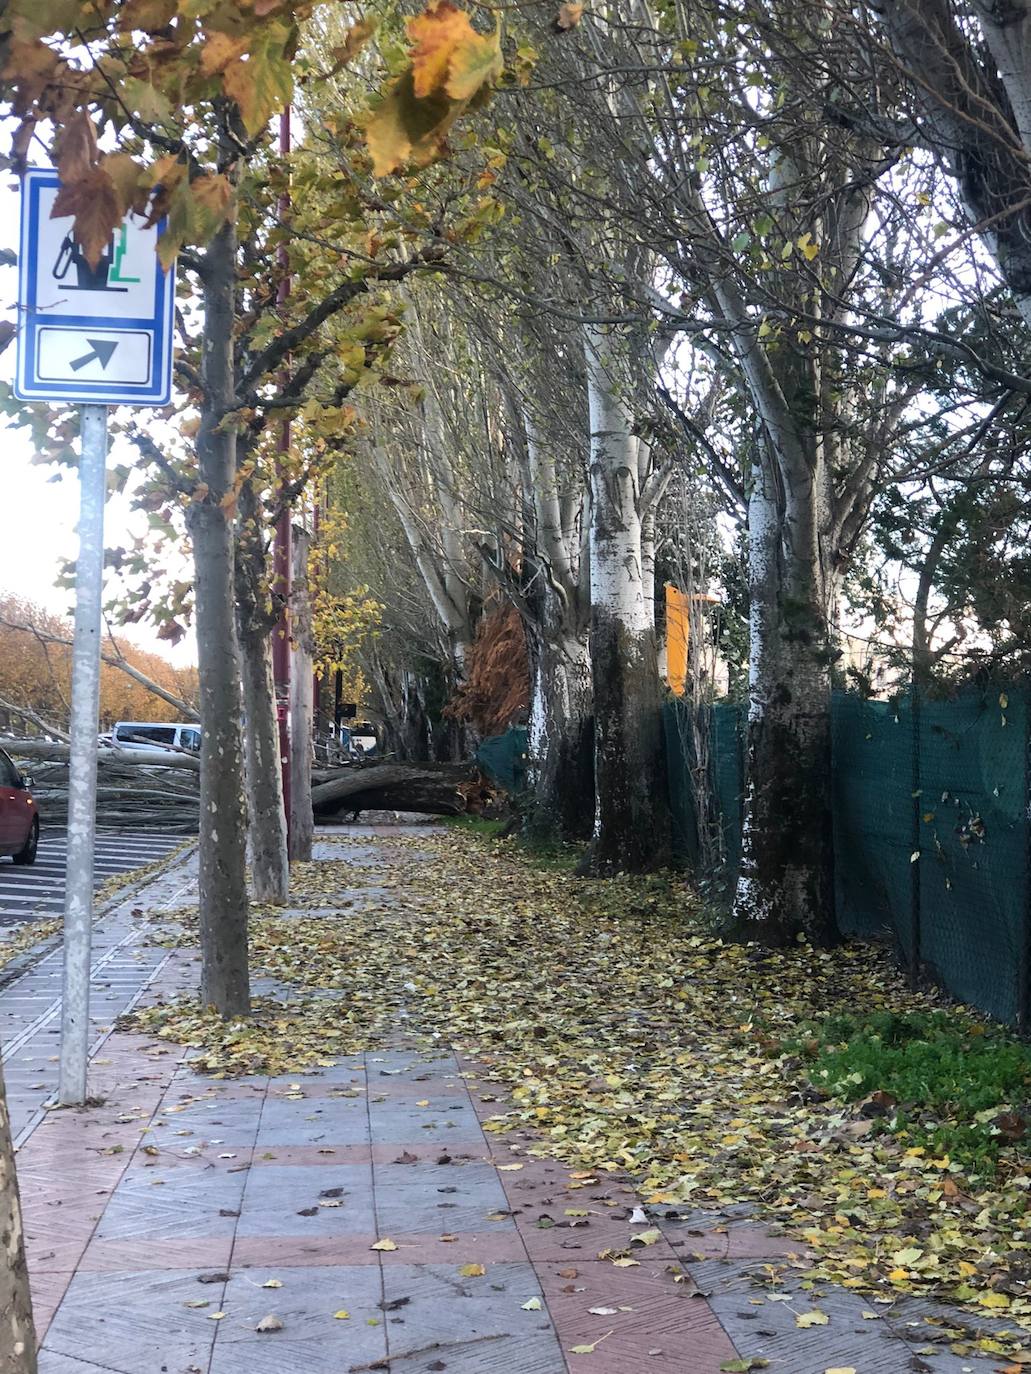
{"x":272,"y":1283}
{"x":472,"y":1271}
{"x":342,"y":1315}
{"x":647,"y":1237}
{"x":215,"y":1316}
{"x":603,"y":1311}
{"x":532,"y":1305}
{"x":197,"y":1302}
{"x":509,"y":1168}
{"x":807,"y":1319}
{"x":269,"y":1323}
{"x":841,"y":1369}
{"x":589,"y":1349}
{"x":743,"y":1366}
{"x":385,"y":1244}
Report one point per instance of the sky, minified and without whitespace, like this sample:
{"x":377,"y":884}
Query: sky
{"x":39,"y":507}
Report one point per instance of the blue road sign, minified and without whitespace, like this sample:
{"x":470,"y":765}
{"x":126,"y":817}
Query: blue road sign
{"x":90,"y":333}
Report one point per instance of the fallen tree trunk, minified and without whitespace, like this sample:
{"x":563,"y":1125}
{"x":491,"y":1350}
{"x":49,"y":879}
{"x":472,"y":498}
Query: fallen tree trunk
{"x":440,"y":790}
{"x":50,"y":749}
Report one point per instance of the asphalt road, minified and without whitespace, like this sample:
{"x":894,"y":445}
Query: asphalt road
{"x":38,"y":890}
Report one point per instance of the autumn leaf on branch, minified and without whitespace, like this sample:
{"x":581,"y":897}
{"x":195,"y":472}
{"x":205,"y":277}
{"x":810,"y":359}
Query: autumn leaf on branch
{"x":94,"y":203}
{"x":451,"y":65}
{"x":568,"y":17}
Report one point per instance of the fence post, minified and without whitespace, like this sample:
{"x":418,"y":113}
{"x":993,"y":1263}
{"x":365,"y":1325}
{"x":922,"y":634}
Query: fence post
{"x":914,"y":862}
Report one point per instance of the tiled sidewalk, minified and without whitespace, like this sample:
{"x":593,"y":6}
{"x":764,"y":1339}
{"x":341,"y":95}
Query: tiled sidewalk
{"x":363,"y":1209}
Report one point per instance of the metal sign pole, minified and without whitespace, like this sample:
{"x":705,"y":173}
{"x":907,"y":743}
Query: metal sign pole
{"x":82,"y":777}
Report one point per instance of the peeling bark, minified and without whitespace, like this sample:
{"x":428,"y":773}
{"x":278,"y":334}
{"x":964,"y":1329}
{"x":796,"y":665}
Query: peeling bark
{"x":786,"y":879}
{"x":17,"y":1332}
{"x":561,"y":737}
{"x":631,"y":817}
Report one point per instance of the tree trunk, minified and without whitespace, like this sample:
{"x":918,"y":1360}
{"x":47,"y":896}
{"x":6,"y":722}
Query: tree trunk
{"x":443,"y":789}
{"x":301,"y":703}
{"x":256,"y":617}
{"x":561,"y":736}
{"x":223,"y":886}
{"x":786,"y":883}
{"x":270,"y":871}
{"x":631,"y":819}
{"x":17,"y":1332}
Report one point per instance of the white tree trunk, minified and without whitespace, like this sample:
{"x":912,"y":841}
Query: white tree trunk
{"x":631,"y":819}
{"x":561,"y":747}
{"x":786,"y":879}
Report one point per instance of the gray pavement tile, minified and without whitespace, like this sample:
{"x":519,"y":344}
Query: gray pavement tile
{"x":135,"y":1323}
{"x":403,"y":1062}
{"x":313,"y":1340}
{"x":277,"y":1197}
{"x":291,"y":1123}
{"x":50,"y":1362}
{"x":478,"y":1324}
{"x":421,"y":1125}
{"x":886,"y":1345}
{"x":434,"y":1199}
{"x":172,"y":1204}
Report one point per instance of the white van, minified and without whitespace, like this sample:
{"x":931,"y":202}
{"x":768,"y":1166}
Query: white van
{"x":156,"y":735}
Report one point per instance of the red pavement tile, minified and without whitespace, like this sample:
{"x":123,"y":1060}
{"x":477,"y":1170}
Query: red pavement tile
{"x":311,"y":1154}
{"x":106,"y":1256}
{"x":250,"y":1252}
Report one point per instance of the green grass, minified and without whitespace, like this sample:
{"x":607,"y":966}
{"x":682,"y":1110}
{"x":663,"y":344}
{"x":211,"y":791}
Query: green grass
{"x":476,"y":825}
{"x":950,"y":1075}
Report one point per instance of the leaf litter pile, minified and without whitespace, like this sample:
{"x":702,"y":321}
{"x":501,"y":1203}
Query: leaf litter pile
{"x":632,"y":1039}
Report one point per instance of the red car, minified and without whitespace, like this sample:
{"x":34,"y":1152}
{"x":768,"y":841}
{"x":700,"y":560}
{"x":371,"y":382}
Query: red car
{"x":19,"y":819}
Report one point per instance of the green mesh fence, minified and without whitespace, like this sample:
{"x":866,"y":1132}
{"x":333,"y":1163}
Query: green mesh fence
{"x":503,"y":758}
{"x":931,"y":837}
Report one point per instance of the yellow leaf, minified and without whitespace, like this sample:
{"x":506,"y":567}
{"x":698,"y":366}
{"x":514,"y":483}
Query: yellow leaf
{"x":272,"y":1283}
{"x":625,"y":1263}
{"x":218,"y":51}
{"x":342,"y":1315}
{"x":475,"y":62}
{"x":647,"y":1237}
{"x":589,"y":1349}
{"x":993,"y":1300}
{"x":807,"y":1319}
{"x":385,"y":1244}
{"x":472,"y":1271}
{"x":509,"y":1168}
{"x":436,"y":35}
{"x":532,"y":1305}
{"x":841,"y":1369}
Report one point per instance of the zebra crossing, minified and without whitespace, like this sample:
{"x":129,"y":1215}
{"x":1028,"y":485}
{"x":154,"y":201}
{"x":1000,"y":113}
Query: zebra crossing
{"x":39,"y":890}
